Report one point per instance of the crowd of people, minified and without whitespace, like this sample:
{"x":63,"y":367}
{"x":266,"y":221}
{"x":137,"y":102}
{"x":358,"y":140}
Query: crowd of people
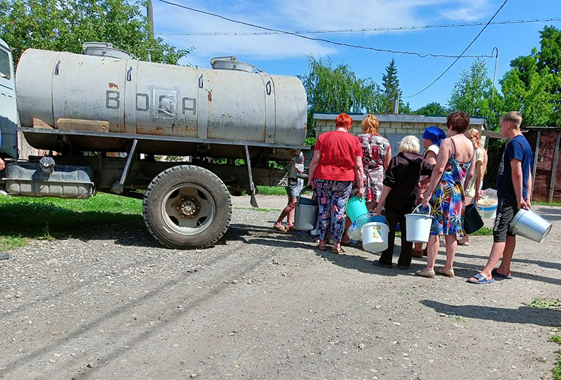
{"x":445,"y":178}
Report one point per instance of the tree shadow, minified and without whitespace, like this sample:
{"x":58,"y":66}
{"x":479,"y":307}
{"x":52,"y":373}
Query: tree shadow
{"x":522,"y":315}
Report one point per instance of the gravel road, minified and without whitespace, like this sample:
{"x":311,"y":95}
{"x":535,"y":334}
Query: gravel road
{"x":266,"y":305}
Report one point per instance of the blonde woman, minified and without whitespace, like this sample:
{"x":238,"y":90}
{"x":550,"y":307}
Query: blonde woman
{"x":376,"y":156}
{"x":400,"y":192}
{"x":474,"y":186}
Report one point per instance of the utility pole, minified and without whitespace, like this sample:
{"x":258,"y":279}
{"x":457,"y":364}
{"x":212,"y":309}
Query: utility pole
{"x":494,"y":79}
{"x":150,"y":14}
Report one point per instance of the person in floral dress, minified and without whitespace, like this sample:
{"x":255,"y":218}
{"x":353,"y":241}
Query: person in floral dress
{"x":376,"y":156}
{"x":455,"y":164}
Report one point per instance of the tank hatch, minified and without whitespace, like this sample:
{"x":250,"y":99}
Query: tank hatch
{"x":104,"y":49}
{"x":230,"y":63}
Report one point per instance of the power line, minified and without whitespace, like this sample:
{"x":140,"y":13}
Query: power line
{"x":325,"y":40}
{"x":457,"y":59}
{"x":365,"y":30}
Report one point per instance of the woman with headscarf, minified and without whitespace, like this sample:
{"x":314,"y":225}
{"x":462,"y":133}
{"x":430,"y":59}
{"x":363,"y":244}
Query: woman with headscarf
{"x":432,"y":137}
{"x":336,"y":164}
{"x":474,"y":186}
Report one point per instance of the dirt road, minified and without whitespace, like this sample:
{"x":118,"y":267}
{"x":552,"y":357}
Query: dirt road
{"x":266,"y":305}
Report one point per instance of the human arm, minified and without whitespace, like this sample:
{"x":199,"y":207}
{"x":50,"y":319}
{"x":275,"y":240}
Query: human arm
{"x":313,"y":166}
{"x":442,"y":159}
{"x":2,"y":164}
{"x":388,"y":158}
{"x":359,"y":176}
{"x":517,"y":178}
{"x":529,"y":188}
{"x":385,"y":191}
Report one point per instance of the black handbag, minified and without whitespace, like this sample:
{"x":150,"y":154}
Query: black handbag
{"x":472,"y":219}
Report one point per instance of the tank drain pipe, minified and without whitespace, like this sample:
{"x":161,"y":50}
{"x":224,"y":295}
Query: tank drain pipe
{"x":119,"y":187}
{"x":252,"y":200}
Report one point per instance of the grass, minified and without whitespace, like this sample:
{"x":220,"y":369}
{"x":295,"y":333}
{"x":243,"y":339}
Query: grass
{"x":555,"y":304}
{"x":552,"y":204}
{"x":54,"y":218}
{"x":543,"y":303}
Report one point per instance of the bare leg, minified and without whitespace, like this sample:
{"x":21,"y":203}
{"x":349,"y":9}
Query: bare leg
{"x":465,"y":239}
{"x":494,"y":257}
{"x":432,"y":251}
{"x":451,"y":245}
{"x":345,"y":239}
{"x":284,"y":213}
{"x":291,"y":205}
{"x":504,"y":268}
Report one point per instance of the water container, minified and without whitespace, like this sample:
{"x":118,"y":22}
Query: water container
{"x":355,"y":230}
{"x":418,"y":226}
{"x":530,"y":225}
{"x":375,"y":236}
{"x":487,"y":207}
{"x":306,"y":212}
{"x":356,"y":207}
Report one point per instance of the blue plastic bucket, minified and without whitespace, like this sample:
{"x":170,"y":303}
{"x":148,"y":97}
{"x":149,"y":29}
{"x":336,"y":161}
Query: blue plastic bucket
{"x":356,"y":207}
{"x":530,"y":225}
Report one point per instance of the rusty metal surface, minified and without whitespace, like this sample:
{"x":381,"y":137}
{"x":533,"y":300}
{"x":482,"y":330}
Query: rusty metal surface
{"x":164,"y":100}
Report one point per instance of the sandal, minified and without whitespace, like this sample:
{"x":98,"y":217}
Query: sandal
{"x":337,"y":251}
{"x":322,"y":247}
{"x":279,"y":228}
{"x":288,"y":228}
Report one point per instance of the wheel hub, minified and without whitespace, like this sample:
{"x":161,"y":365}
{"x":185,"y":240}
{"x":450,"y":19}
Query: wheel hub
{"x":188,"y":208}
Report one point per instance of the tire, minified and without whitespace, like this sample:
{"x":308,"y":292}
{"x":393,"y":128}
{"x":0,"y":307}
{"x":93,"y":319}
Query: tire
{"x":187,"y":207}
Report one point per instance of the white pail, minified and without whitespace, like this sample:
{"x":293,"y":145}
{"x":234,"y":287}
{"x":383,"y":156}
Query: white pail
{"x":375,"y":236}
{"x":418,"y":226}
{"x":530,"y":225}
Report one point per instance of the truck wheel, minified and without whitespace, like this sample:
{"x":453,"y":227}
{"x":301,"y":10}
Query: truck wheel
{"x":187,"y":207}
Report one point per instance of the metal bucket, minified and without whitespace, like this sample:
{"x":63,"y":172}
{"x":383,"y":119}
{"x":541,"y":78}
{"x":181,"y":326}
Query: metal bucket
{"x":418,"y":226}
{"x":530,"y":225}
{"x":306,"y":212}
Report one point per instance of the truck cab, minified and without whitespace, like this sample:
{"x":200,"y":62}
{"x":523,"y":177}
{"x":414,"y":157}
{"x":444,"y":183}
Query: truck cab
{"x":8,"y":107}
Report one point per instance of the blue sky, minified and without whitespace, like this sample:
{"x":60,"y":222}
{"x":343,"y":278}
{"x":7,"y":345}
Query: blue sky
{"x":287,"y":55}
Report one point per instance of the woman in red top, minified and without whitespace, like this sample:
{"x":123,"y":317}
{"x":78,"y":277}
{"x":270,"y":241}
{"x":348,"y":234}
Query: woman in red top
{"x":336,"y":164}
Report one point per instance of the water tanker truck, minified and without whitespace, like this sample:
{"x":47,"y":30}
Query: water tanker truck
{"x":103,"y":116}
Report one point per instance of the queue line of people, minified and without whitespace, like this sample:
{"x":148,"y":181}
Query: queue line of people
{"x":344,"y":164}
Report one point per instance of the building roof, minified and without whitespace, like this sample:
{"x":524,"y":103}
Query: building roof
{"x":400,"y":118}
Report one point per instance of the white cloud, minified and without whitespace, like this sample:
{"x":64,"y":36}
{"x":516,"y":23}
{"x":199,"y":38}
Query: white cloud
{"x":467,"y":10}
{"x":292,"y":15}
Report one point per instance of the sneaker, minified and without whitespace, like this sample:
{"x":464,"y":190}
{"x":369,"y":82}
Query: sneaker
{"x":4,"y":256}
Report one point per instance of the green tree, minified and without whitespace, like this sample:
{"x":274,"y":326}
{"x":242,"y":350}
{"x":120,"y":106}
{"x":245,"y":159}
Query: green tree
{"x":433,"y":108}
{"x":533,"y":85}
{"x":64,"y":25}
{"x":390,"y":84}
{"x":337,"y":89}
{"x":472,"y":92}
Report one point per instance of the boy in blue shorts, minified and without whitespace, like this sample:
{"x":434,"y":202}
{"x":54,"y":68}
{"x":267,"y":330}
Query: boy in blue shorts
{"x":514,"y":187}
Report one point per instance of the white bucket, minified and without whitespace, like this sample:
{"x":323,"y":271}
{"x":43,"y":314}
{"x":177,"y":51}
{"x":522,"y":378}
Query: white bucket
{"x":375,"y":237}
{"x":487,"y":207}
{"x":530,"y":225}
{"x":418,"y":226}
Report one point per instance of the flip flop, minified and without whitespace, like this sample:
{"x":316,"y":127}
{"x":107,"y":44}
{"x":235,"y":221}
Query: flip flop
{"x":499,"y":275}
{"x":481,"y":280}
{"x":322,"y":247}
{"x":337,"y":251}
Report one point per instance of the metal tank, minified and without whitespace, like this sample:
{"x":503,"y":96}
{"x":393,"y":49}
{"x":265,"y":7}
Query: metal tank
{"x":145,"y":98}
